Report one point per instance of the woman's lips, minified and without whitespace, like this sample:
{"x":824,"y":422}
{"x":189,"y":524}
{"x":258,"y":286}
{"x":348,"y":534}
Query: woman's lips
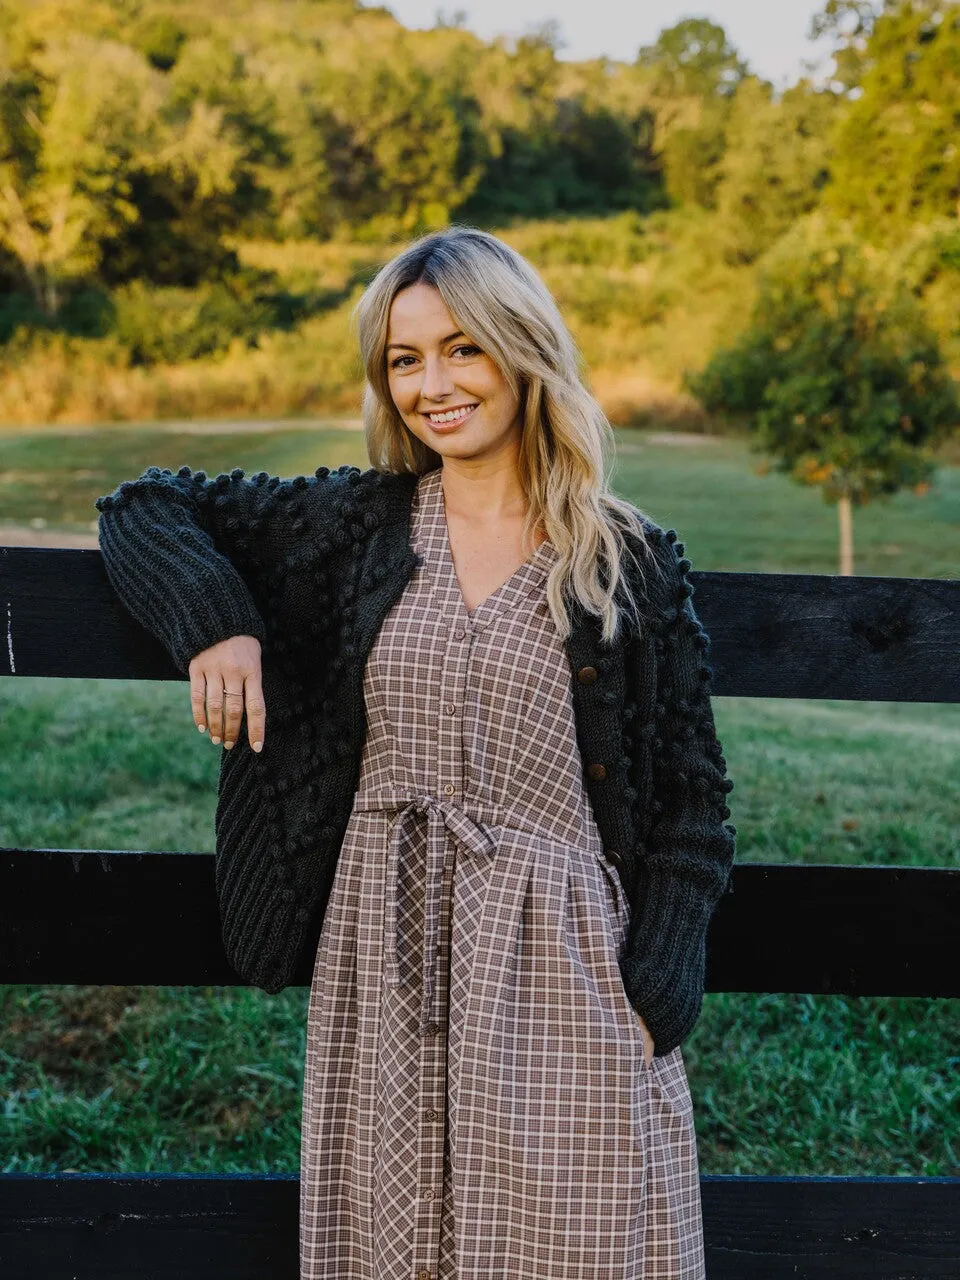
{"x":444,"y":427}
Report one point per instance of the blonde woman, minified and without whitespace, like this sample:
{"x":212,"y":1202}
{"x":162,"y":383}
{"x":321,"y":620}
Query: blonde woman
{"x":480,"y":800}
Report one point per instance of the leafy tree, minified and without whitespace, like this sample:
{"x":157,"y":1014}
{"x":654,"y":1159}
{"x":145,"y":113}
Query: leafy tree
{"x":849,"y":23}
{"x":77,"y":119}
{"x":399,"y":156}
{"x":775,"y":165}
{"x":840,"y":373}
{"x":693,"y":72}
{"x":692,"y":159}
{"x":896,"y":153}
{"x":694,"y":58}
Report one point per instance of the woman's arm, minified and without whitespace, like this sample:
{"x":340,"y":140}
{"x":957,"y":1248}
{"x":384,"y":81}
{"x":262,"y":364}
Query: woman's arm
{"x":169,"y":543}
{"x":685,"y":863}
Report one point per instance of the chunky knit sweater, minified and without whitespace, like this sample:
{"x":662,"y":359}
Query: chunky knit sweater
{"x":310,"y":566}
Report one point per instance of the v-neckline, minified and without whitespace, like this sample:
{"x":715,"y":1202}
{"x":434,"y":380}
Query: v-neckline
{"x":523,"y":579}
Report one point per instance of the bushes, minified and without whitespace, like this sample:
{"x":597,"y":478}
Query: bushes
{"x":163,"y":324}
{"x":617,"y":242}
{"x":170,"y":325}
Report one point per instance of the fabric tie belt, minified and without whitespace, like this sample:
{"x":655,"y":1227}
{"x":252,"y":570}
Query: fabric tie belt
{"x":442,"y":816}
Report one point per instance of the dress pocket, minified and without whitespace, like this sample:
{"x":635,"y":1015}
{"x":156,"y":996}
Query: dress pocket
{"x":617,"y":898}
{"x":670,"y":1077}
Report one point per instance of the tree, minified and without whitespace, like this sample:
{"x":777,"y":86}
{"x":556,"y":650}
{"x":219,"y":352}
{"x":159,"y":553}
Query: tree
{"x":841,"y":375}
{"x":694,"y":58}
{"x":775,"y":165}
{"x":105,"y":171}
{"x":76,"y":119}
{"x":849,"y":22}
{"x":693,"y":71}
{"x":896,"y":153}
{"x":399,"y":153}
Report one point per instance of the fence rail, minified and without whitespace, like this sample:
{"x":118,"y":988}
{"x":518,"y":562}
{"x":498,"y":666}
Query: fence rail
{"x":65,"y":918}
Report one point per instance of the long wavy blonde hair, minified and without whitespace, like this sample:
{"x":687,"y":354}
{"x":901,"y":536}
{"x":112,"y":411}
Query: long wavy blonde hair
{"x":500,"y":302}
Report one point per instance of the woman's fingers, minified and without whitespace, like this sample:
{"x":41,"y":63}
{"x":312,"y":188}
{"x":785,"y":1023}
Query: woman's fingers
{"x":215,"y":706}
{"x":222,"y":679}
{"x":256,"y":710}
{"x":232,"y":713}
{"x":198,"y":697}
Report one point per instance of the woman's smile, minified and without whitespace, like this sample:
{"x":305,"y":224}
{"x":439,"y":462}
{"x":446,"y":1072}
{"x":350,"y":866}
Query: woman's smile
{"x":442,"y":423}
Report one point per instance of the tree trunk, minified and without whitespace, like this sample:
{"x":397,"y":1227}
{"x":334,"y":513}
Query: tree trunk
{"x":51,"y":294}
{"x":845,"y":515}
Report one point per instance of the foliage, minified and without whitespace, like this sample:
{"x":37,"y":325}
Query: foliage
{"x":842,"y":375}
{"x":896,"y":155}
{"x":135,"y":139}
{"x":775,"y":165}
{"x":144,"y":147}
{"x":850,"y":23}
{"x":694,"y":57}
{"x":170,"y":325}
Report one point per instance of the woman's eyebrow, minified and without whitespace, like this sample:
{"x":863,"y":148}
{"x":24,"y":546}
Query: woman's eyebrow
{"x":408,"y":347}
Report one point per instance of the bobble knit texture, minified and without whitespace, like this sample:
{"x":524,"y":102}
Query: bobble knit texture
{"x":310,"y":566}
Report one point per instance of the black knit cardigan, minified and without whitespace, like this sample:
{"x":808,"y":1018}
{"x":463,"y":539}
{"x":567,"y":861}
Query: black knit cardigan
{"x":310,"y":566}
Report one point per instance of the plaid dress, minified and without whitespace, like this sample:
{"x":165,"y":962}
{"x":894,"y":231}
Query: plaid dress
{"x":476,"y":1101}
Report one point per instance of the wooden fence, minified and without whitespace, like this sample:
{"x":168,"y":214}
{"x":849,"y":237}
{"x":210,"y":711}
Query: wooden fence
{"x":128,"y":917}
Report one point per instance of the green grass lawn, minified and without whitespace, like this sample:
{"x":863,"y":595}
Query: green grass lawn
{"x":209,"y":1079}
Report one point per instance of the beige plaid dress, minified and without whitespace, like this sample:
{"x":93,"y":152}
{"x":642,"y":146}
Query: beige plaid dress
{"x":476,"y":1101}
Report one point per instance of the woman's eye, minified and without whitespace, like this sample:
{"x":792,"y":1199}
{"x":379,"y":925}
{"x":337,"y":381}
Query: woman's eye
{"x":397,"y":363}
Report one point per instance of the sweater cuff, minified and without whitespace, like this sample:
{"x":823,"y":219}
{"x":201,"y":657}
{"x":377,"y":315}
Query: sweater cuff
{"x":663,"y":964}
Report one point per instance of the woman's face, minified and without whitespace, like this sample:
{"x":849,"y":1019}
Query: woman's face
{"x":432,"y":369}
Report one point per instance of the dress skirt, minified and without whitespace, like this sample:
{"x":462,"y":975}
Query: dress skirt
{"x":476,"y":1101}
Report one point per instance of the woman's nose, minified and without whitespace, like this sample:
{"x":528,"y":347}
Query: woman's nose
{"x":436,"y":379}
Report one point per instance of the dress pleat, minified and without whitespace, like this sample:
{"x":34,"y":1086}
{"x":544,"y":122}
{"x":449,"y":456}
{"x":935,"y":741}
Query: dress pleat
{"x":476,"y":1100}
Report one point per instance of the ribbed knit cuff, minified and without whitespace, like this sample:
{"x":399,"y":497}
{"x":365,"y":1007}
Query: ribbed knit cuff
{"x":168,"y":573}
{"x":664,"y":961}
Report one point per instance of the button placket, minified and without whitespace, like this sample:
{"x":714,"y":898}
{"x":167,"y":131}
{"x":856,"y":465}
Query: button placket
{"x":433,"y":1056}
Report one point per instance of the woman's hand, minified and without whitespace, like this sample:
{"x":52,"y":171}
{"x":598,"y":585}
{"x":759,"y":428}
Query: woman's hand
{"x":222,"y":679}
{"x":647,"y":1041}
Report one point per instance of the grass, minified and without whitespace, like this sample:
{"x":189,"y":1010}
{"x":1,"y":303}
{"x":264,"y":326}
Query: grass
{"x":209,"y":1078}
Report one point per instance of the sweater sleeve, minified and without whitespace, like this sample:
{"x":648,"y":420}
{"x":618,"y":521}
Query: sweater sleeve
{"x":689,"y":849}
{"x":165,"y":553}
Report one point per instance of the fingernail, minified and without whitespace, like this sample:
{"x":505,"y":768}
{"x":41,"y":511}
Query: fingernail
{"x":228,"y":746}
{"x":214,"y":740}
{"x":258,"y":746}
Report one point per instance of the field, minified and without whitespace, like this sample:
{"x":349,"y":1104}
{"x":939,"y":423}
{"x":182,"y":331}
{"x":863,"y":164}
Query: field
{"x":208,"y":1079}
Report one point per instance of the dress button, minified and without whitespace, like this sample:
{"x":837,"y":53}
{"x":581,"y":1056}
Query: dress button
{"x":423,"y":1275}
{"x":432,"y":1115}
{"x":451,"y":708}
{"x":448,"y":788}
{"x":429,"y":1195}
{"x":587,"y":675}
{"x":433,"y":1028}
{"x":597,"y":771}
{"x":615,"y":857}
{"x":458,"y":635}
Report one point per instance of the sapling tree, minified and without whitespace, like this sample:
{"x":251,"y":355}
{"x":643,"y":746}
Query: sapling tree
{"x":838,"y":372}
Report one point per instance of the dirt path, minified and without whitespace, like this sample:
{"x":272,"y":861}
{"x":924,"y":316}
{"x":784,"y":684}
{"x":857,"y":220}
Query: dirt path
{"x":172,"y":427}
{"x":18,"y":535}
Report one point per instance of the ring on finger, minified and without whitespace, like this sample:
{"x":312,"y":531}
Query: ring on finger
{"x":231,"y":693}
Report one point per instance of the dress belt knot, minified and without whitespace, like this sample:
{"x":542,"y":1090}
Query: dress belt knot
{"x":442,"y":816}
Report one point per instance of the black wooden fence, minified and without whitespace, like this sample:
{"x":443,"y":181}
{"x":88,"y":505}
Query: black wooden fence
{"x":128,"y":917}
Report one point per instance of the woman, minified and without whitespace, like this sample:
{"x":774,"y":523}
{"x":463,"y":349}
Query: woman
{"x":483,"y":1094}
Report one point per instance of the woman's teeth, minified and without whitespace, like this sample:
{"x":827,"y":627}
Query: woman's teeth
{"x":453,"y":416}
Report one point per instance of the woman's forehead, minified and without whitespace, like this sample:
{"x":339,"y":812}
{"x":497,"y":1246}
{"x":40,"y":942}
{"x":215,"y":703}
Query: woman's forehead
{"x":419,"y":312}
